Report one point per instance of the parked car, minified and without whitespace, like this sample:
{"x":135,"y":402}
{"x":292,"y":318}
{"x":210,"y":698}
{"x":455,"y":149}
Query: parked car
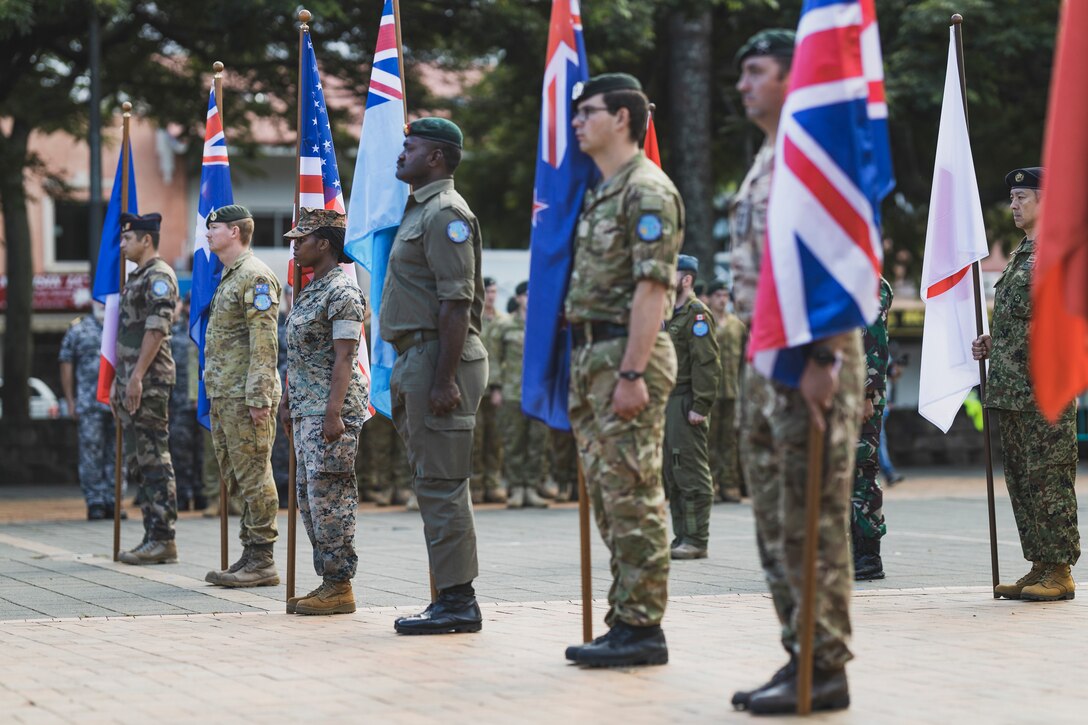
{"x":43,"y":401}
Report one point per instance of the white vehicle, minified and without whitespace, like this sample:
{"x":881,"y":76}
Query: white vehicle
{"x":43,"y":402}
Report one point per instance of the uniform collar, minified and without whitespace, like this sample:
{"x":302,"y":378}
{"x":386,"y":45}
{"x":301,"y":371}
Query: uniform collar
{"x":434,"y":188}
{"x":144,"y":267}
{"x":685,"y":304}
{"x":1026,"y":245}
{"x":238,"y":262}
{"x":620,"y":177}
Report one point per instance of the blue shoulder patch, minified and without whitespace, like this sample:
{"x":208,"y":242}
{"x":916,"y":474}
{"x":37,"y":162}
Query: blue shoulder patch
{"x":159,"y":288}
{"x":700,"y":328}
{"x":458,"y":231}
{"x":262,"y":301}
{"x":649,"y":227}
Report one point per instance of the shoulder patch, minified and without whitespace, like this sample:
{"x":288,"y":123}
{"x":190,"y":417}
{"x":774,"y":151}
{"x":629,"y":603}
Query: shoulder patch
{"x":700,"y":328}
{"x":457,"y":231}
{"x":651,"y":202}
{"x":261,"y":288}
{"x":262,"y":301}
{"x":649,"y":227}
{"x":160,"y":288}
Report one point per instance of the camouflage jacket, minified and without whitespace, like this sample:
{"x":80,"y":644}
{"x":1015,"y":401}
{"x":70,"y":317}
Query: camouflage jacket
{"x":241,"y":344}
{"x":488,"y":336}
{"x":630,"y":229}
{"x":748,"y":228}
{"x":509,"y":346}
{"x":1008,"y":384}
{"x":148,"y":302}
{"x":82,"y":347}
{"x":731,"y":336}
{"x":698,"y":366}
{"x":877,"y":354}
{"x":329,"y":308}
{"x":182,"y":350}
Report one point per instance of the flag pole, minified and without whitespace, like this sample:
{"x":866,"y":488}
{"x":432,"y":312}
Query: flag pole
{"x":806,"y":624}
{"x":583,"y":540}
{"x":224,"y":503}
{"x":976,"y":278}
{"x":118,"y":502}
{"x":304,"y":17}
{"x":404,"y":106}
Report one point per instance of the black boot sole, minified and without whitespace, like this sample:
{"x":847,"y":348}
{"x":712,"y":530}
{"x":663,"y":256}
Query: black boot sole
{"x":841,"y":703}
{"x":650,"y":660}
{"x":466,"y":628}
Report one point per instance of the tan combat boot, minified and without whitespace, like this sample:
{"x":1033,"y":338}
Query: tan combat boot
{"x":151,"y":552}
{"x":331,"y":598}
{"x":517,"y":497}
{"x":412,"y":504}
{"x":1057,"y":584}
{"x":549,"y":489}
{"x":258,"y":571}
{"x":1012,"y":591}
{"x":495,"y":494}
{"x":534,"y":499}
{"x":213,"y":577}
{"x":295,"y":600}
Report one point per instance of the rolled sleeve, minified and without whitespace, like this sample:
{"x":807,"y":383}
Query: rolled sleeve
{"x":262,"y":375}
{"x":653,"y":225}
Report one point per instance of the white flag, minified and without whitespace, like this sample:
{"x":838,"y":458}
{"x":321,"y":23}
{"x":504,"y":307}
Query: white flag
{"x":955,"y":239}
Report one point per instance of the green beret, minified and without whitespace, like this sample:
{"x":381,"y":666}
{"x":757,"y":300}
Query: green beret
{"x":1030,"y":177}
{"x":310,"y":220}
{"x":229,"y":213}
{"x":436,"y":129}
{"x":604,"y":83}
{"x":777,"y":42}
{"x":715,"y":285}
{"x":137,"y":223}
{"x":687,"y":263}
{"x":522,"y":288}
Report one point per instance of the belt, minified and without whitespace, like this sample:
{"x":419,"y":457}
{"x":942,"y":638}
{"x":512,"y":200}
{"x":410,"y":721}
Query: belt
{"x":592,"y":332}
{"x":411,"y":339}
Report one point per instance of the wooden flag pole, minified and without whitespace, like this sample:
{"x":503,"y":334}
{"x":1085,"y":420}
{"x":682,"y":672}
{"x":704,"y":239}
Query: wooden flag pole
{"x":587,"y":572}
{"x":806,"y":625}
{"x":224,"y":499}
{"x":976,"y":278}
{"x":304,"y":17}
{"x":118,"y":468}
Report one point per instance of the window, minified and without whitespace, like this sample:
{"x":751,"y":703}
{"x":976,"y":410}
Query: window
{"x":71,"y":230}
{"x":268,"y":228}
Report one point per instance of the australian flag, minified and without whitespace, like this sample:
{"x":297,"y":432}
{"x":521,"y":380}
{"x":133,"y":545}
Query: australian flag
{"x":820,"y":274}
{"x":215,"y":191}
{"x":562,"y":174}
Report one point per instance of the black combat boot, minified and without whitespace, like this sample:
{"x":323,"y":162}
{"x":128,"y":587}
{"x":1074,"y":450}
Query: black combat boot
{"x":785,"y":672}
{"x":455,"y":610}
{"x":625,"y":646}
{"x":829,"y":692}
{"x":867,"y":562}
{"x":575,"y":649}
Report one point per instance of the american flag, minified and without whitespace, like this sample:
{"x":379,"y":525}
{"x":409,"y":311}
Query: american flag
{"x":319,"y":180}
{"x":821,"y":263}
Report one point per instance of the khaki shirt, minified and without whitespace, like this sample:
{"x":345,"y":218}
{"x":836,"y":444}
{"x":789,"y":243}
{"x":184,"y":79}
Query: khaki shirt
{"x":731,"y":336}
{"x":148,"y":302}
{"x":241,"y":344}
{"x":435,"y":257}
{"x":630,"y":229}
{"x":1009,"y":385}
{"x":748,"y":227}
{"x":697,"y":364}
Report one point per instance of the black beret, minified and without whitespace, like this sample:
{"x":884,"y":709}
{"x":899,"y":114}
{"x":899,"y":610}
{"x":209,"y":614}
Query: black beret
{"x":229,"y":213}
{"x":489,"y":281}
{"x":1026,"y":178}
{"x":715,"y":285}
{"x":137,"y":223}
{"x":433,"y":128}
{"x":512,"y":305}
{"x":778,"y":42}
{"x":604,"y":83}
{"x":522,"y":288}
{"x":687,"y":263}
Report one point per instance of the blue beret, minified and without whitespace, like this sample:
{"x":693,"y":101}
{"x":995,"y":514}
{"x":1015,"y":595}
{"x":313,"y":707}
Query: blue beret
{"x":687,"y":263}
{"x":137,"y":223}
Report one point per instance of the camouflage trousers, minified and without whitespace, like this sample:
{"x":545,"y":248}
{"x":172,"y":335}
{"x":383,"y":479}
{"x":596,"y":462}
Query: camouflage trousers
{"x":622,"y":464}
{"x":687,"y":473}
{"x":328,"y":494}
{"x":564,"y":461}
{"x":867,"y":499}
{"x":487,"y":448}
{"x":244,"y":450}
{"x":183,"y":448}
{"x":382,"y":464}
{"x":148,"y":466}
{"x":724,"y":447}
{"x":774,"y":437}
{"x":1040,"y":470}
{"x":97,"y":438}
{"x":524,"y":447}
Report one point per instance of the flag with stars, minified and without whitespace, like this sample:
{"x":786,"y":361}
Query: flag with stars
{"x":319,"y":180}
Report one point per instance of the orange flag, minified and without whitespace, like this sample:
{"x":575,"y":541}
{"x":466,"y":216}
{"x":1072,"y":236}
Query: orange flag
{"x":649,"y":147}
{"x":1059,"y":325}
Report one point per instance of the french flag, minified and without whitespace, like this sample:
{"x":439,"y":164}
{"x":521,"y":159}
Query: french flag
{"x":820,"y":273}
{"x":107,"y":277}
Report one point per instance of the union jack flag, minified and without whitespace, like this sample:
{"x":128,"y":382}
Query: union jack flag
{"x":319,"y":179}
{"x":821,"y":263}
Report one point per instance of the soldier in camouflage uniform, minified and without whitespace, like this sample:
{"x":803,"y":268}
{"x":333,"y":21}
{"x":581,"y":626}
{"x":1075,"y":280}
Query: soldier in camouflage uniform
{"x":867,"y":500}
{"x":1040,"y":458}
{"x":564,"y":465}
{"x":382,"y":466}
{"x":183,"y":425}
{"x":524,"y":440}
{"x":724,"y":439}
{"x":326,"y":406}
{"x":243,"y":385}
{"x":623,"y":364}
{"x":776,"y":420}
{"x":80,"y":352}
{"x":687,"y":464}
{"x":141,"y":388}
{"x":487,"y":439}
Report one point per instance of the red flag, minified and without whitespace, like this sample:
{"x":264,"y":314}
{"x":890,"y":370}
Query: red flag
{"x":1059,"y":324}
{"x":650,"y":146}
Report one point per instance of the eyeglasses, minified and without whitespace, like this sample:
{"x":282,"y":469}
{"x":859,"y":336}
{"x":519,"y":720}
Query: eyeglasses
{"x":584,"y":112}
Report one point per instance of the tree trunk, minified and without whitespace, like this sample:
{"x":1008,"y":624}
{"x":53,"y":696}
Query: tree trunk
{"x":20,"y":272}
{"x":690,"y":93}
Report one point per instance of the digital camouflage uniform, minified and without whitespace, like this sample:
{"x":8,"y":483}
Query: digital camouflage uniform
{"x":774,"y":438}
{"x":488,"y":439}
{"x":148,"y":302}
{"x":240,"y":355}
{"x":82,"y":348}
{"x":329,"y":308}
{"x":630,"y":229}
{"x":687,"y":465}
{"x":436,"y":257}
{"x":183,"y":425}
{"x":867,"y":499}
{"x":524,"y":440}
{"x":724,"y":438}
{"x":1040,"y":459}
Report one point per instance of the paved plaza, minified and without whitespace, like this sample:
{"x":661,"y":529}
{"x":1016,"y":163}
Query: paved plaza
{"x":88,"y":640}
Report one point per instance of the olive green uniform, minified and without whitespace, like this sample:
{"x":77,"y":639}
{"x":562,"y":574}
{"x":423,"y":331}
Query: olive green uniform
{"x":724,"y":438}
{"x":525,"y":440}
{"x":435,"y":258}
{"x":487,"y":442}
{"x":687,"y":466}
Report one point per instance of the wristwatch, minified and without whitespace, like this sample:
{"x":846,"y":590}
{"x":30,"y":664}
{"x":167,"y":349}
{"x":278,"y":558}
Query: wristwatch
{"x":630,"y":374}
